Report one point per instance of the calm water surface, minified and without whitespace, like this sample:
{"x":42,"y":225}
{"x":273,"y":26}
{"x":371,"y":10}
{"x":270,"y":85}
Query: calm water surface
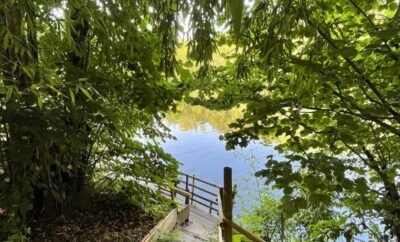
{"x":201,"y":152}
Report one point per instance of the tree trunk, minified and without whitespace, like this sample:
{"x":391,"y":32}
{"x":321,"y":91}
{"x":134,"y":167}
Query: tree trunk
{"x":80,"y":63}
{"x":19,"y":21}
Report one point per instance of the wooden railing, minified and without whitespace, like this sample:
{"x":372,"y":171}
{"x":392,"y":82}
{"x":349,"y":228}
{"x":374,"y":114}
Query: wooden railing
{"x":202,"y":192}
{"x":213,"y":197}
{"x":225,"y":209}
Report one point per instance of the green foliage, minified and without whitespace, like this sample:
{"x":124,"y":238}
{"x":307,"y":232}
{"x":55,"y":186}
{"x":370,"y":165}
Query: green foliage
{"x":84,"y":86}
{"x":170,"y":236}
{"x":235,"y":8}
{"x":272,"y":216}
{"x":325,"y":75}
{"x":263,"y":219}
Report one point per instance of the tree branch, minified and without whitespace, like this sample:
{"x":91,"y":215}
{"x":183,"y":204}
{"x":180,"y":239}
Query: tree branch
{"x":364,"y":115}
{"x":392,"y":54}
{"x":370,"y":84}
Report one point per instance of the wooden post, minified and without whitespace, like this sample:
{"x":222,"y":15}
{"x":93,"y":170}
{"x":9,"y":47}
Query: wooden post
{"x":220,"y":199}
{"x":210,"y":207}
{"x":228,"y":203}
{"x":282,"y":228}
{"x":221,"y":195}
{"x":234,"y":192}
{"x":194,"y":178}
{"x":172,"y":194}
{"x":187,"y":189}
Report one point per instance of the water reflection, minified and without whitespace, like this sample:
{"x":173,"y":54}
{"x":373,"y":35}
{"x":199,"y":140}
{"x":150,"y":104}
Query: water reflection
{"x":197,"y":118}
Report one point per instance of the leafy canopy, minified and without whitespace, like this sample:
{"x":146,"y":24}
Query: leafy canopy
{"x":326,"y":75}
{"x":84,"y":86}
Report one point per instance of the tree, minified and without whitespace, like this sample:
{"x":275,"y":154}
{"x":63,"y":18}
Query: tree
{"x":326,"y":75}
{"x":84,"y":86}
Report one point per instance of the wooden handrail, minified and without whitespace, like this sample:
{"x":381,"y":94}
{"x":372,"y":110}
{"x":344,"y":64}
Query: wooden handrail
{"x":190,"y":195}
{"x":197,"y":187}
{"x":220,"y":215}
{"x":201,"y":180}
{"x":205,"y":199}
{"x":194,"y":179}
{"x":224,"y":197}
{"x":164,"y":189}
{"x":205,"y":205}
{"x":220,"y":210}
{"x":187,"y":199}
{"x":165,"y":192}
{"x":225,"y":208}
{"x":243,"y":231}
{"x":181,"y":192}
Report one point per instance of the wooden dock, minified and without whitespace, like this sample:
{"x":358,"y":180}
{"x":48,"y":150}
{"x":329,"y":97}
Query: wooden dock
{"x":195,"y":224}
{"x":202,"y":226}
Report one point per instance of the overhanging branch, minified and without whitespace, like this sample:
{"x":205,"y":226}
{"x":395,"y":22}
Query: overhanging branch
{"x":369,"y":83}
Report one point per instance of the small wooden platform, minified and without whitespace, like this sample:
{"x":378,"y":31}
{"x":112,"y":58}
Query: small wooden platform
{"x":202,"y":226}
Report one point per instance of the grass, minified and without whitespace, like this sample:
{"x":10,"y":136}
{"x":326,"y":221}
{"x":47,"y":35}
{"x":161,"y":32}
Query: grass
{"x":172,"y":236}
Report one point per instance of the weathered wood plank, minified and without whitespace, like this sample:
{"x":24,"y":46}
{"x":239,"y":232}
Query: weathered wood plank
{"x":202,"y":226}
{"x":164,"y":226}
{"x":181,"y":192}
{"x":183,"y":215}
{"x":193,"y":181}
{"x":228,"y":233}
{"x":187,"y":189}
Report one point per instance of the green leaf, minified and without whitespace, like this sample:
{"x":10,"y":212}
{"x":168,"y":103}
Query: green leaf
{"x":9,"y":92}
{"x":86,"y":93}
{"x":72,"y":95}
{"x":348,"y":52}
{"x":5,"y":41}
{"x":236,"y":10}
{"x":237,"y":238}
{"x":40,"y":100}
{"x":319,"y":198}
{"x":189,"y":64}
{"x":386,"y":34}
{"x":394,"y":69}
